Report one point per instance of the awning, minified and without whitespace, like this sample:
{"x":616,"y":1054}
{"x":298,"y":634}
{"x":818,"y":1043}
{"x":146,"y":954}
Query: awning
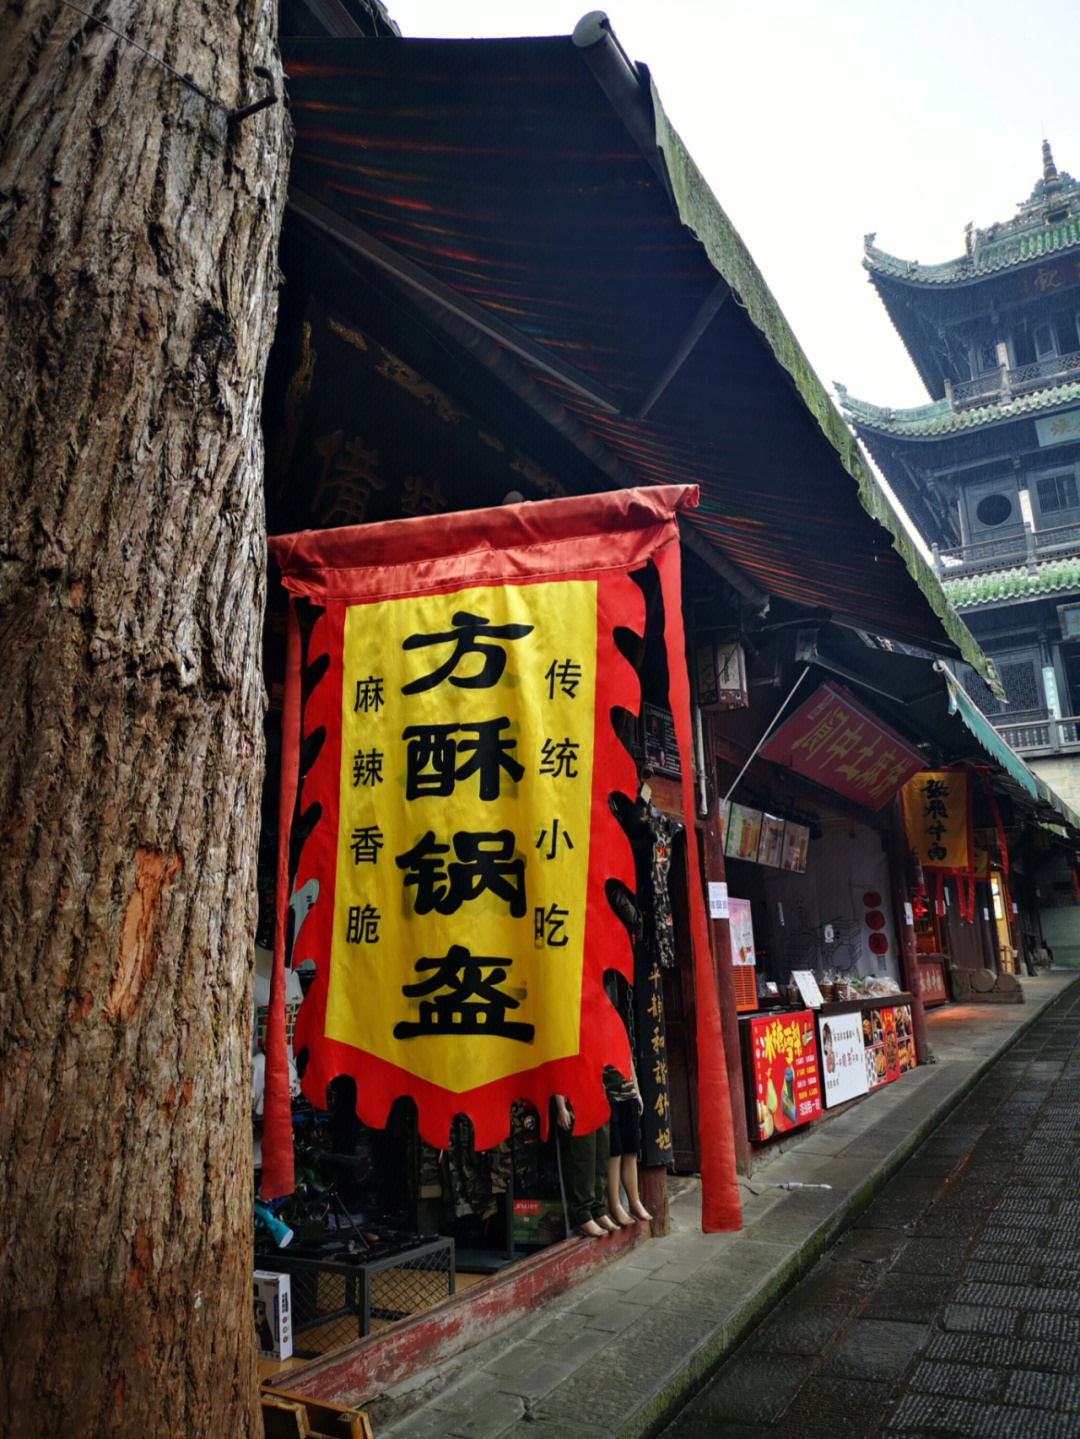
{"x":554,"y":213}
{"x":923,"y":701}
{"x":961,"y":704}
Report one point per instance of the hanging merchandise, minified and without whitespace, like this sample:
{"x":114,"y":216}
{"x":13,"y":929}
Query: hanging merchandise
{"x":663,"y":832}
{"x":449,"y":759}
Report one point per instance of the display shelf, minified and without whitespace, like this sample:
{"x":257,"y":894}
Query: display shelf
{"x":338,"y":1296}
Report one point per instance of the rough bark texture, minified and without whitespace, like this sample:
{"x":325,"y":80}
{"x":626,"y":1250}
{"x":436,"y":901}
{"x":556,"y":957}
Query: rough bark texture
{"x":138,"y":235}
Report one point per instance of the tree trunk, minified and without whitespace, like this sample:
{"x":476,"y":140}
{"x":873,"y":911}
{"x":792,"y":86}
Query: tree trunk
{"x":138,"y":242}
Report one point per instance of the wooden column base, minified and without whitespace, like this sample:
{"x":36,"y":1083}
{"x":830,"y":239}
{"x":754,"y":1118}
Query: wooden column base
{"x":652,"y":1185}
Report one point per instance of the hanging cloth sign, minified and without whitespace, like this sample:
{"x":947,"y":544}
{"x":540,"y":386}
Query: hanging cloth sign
{"x":449,"y":755}
{"x":936,"y":806}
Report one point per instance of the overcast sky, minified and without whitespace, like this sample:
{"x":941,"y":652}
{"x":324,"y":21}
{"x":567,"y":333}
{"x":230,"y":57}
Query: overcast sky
{"x":818,"y":121}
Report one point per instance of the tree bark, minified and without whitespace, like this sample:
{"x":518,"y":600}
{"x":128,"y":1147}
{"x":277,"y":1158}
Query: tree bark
{"x":138,"y":244}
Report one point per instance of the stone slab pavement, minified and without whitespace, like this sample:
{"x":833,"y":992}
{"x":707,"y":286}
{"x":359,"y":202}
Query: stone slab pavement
{"x":616,"y":1356}
{"x":952,"y":1306}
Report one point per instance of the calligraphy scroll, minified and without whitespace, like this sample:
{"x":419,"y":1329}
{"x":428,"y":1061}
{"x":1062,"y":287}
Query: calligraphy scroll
{"x":449,"y":719}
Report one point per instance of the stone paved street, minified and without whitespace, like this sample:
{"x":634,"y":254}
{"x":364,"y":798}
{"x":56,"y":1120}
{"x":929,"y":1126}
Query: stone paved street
{"x":952,"y":1308}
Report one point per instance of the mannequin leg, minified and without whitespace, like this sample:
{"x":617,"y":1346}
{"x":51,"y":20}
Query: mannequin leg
{"x":630,"y":1184}
{"x":579,"y":1167}
{"x":600,"y":1173}
{"x":615,"y":1206}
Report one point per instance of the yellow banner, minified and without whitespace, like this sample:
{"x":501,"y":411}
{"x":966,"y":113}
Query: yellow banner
{"x":464,"y":827}
{"x":937,"y":819}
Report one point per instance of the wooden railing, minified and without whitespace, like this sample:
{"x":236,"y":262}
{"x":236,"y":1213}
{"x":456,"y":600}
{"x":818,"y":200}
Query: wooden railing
{"x":1003,"y":384}
{"x":1041,"y":735}
{"x":1020,"y":546}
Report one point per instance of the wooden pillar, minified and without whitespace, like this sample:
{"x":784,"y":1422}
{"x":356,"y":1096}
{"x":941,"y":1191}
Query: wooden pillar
{"x":653,"y":1188}
{"x":712,"y":850}
{"x":905,"y":931}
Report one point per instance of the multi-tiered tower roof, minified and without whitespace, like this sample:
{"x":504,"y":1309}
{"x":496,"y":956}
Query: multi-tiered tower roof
{"x":989,"y":469}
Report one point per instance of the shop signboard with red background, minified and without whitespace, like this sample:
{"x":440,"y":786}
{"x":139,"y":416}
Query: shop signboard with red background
{"x":835,"y":742}
{"x":932,"y":987}
{"x":889,"y":1046}
{"x":784,"y":1070}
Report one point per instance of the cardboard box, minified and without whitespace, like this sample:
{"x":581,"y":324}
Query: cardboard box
{"x":273,"y":1315}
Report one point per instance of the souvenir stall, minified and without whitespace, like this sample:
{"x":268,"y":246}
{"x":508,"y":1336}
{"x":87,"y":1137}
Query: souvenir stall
{"x":966,"y":920}
{"x":824,"y":1015}
{"x":445,"y":1103}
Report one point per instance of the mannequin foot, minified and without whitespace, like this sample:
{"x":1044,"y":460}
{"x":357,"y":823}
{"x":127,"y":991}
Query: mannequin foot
{"x":591,"y":1229}
{"x":638,"y":1210}
{"x":620,"y":1216}
{"x":607,"y":1224}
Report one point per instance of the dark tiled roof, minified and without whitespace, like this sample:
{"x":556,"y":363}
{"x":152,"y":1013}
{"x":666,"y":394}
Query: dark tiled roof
{"x":500,"y":169}
{"x":997,"y":255}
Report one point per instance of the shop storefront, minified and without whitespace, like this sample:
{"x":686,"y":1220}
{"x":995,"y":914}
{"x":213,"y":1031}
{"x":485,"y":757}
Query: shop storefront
{"x":814,"y":893}
{"x":462,"y":1001}
{"x":400,"y":391}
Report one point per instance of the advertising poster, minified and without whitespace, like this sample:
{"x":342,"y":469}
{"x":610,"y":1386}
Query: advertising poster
{"x":743,"y":957}
{"x":723,"y":815}
{"x":905,"y":1040}
{"x":741,"y":930}
{"x":843,"y":1065}
{"x":744,"y":833}
{"x":786,"y":1079}
{"x":770,"y":850}
{"x":882,"y":1053}
{"x":796,"y":844}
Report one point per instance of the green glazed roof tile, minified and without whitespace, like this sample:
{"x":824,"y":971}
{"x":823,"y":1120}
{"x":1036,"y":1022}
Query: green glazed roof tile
{"x":939,"y":418}
{"x":1047,"y":223}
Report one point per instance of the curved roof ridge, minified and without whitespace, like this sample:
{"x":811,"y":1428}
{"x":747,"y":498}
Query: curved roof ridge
{"x":1047,"y":222}
{"x":887,"y":415}
{"x":939,"y":418}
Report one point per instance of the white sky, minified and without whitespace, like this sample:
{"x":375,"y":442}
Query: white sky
{"x":817,"y":121}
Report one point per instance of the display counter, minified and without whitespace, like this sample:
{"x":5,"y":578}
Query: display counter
{"x":798,"y":1062}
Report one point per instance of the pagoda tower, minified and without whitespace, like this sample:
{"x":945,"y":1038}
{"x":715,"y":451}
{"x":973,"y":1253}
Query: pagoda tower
{"x":989,"y":470}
